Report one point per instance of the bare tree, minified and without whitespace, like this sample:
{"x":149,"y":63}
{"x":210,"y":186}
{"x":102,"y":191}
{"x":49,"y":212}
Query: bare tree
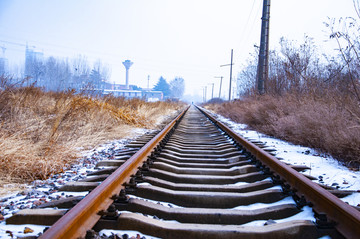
{"x":346,"y":32}
{"x":177,"y":87}
{"x":80,"y":66}
{"x":57,"y":74}
{"x":103,"y":69}
{"x":80,"y":70}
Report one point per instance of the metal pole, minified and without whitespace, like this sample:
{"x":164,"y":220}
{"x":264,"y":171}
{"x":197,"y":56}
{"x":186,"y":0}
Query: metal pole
{"x":212,"y":92}
{"x":205,"y":92}
{"x":263,"y":64}
{"x":220,"y":86}
{"x":230,"y":72}
{"x":231,"y":63}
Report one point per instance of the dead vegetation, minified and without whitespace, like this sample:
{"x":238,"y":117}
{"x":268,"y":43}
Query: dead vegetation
{"x":311,"y":99}
{"x":319,"y":123}
{"x":41,"y":132}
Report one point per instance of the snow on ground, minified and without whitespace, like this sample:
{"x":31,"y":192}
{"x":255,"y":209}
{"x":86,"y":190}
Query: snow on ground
{"x":41,"y":191}
{"x":327,"y":170}
{"x":305,"y":214}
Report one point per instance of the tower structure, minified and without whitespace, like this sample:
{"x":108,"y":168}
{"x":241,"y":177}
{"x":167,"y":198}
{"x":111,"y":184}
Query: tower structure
{"x":127,"y":64}
{"x":34,"y":67}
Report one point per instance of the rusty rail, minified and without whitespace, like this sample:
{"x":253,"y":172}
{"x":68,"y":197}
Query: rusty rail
{"x":346,"y":217}
{"x":84,"y":215}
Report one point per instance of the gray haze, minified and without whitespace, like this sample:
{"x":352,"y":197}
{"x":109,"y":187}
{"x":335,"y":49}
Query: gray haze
{"x":169,"y":38}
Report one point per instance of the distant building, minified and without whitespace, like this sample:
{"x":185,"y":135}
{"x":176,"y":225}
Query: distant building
{"x":3,"y":62}
{"x":124,"y":93}
{"x":150,"y":96}
{"x":34,"y":65}
{"x":3,"y":66}
{"x":114,"y":86}
{"x":119,"y":90}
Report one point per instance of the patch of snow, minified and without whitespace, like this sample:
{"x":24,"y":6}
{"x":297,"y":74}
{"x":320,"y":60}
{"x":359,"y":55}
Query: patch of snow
{"x":305,"y":214}
{"x":353,"y":199}
{"x":144,"y":184}
{"x":326,"y":169}
{"x":165,"y":204}
{"x":141,"y":131}
{"x":237,"y":184}
{"x":287,"y":200}
{"x":42,"y":191}
{"x":245,"y":183}
{"x":17,"y":231}
{"x":275,"y":187}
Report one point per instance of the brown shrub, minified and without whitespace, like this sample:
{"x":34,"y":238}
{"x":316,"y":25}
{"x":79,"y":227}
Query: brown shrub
{"x":328,"y":124}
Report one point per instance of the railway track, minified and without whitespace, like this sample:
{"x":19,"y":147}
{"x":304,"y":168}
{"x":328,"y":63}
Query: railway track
{"x":197,"y":179}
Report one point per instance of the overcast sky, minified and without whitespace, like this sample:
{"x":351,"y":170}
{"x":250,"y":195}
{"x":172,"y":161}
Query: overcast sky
{"x":169,"y":38}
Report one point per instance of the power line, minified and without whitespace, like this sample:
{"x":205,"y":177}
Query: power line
{"x":247,"y":22}
{"x":115,"y":58}
{"x":249,"y":30}
{"x":254,"y":20}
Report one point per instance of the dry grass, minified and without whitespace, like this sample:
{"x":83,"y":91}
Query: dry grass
{"x":40,"y":132}
{"x":331,"y":125}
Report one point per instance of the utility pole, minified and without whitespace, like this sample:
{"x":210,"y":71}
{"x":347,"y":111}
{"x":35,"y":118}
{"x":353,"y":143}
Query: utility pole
{"x":231,"y":64}
{"x":220,"y":84}
{"x":212,"y":92}
{"x":205,"y":93}
{"x":263,"y":64}
{"x":148,"y":86}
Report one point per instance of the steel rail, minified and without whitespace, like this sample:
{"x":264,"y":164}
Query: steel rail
{"x":346,"y":217}
{"x":84,"y":215}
